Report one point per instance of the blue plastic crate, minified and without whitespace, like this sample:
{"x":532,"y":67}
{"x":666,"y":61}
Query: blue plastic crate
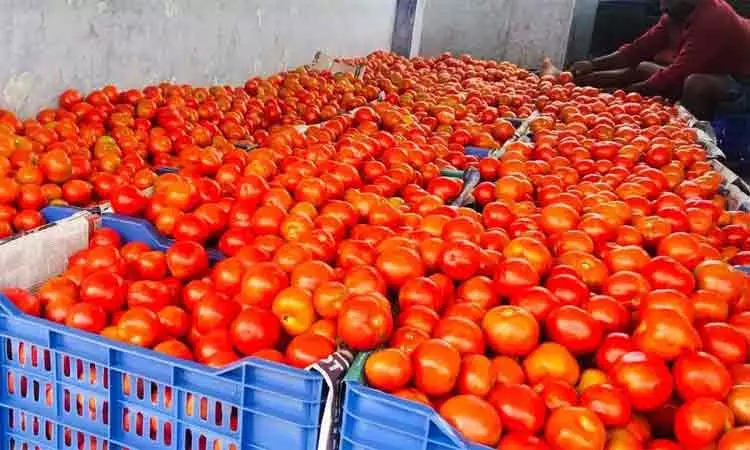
{"x":131,"y":228}
{"x":479,"y":152}
{"x":374,"y":420}
{"x":62,"y":388}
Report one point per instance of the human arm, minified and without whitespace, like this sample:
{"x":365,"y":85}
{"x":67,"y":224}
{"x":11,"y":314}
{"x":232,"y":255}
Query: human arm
{"x":629,"y":55}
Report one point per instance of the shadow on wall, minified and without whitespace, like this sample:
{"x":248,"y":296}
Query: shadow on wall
{"x":520,"y":31}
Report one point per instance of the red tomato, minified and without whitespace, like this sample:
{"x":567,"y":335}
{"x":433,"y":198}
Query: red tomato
{"x":701,"y":375}
{"x":139,"y":326}
{"x":701,"y":422}
{"x":364,"y":323}
{"x":521,"y":408}
{"x":574,"y":428}
{"x":187,"y":259}
{"x":388,"y":370}
{"x":644,"y":378}
{"x":474,"y":418}
{"x":437,"y":365}
{"x":307,"y":349}
{"x":511,"y":330}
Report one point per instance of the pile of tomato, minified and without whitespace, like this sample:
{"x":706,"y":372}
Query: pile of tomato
{"x":588,"y":299}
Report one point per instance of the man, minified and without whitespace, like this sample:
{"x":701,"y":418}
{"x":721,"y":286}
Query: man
{"x":706,"y":47}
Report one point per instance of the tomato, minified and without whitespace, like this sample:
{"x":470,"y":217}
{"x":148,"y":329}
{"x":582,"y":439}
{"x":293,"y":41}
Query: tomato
{"x":514,"y":275}
{"x":568,"y":289}
{"x":626,"y":287}
{"x":574,"y":428}
{"x":644,"y":378}
{"x":104,"y":237}
{"x":210,"y":344}
{"x":724,"y":342}
{"x":175,"y":349}
{"x":521,"y":408}
{"x":294,"y":308}
{"x":702,"y":421}
{"x":261,"y":283}
{"x":474,"y":418}
{"x":532,"y":250}
{"x":738,"y":401}
{"x":665,"y":333}
{"x":187,"y":259}
{"x":364,"y":323}
{"x":58,"y":309}
{"x":174,"y":321}
{"x":612,"y":315}
{"x":522,"y":441}
{"x":437,"y":365}
{"x":139,"y":326}
{"x":460,"y":332}
{"x":613,"y":346}
{"x":574,"y":328}
{"x":460,"y":260}
{"x":214,"y":311}
{"x":719,"y":277}
{"x":556,"y":393}
{"x":307,"y":349}
{"x":477,"y":376}
{"x":398,"y":265}
{"x":25,"y":301}
{"x":701,"y":375}
{"x":388,"y":370}
{"x":538,"y":300}
{"x":511,"y":330}
{"x":128,"y":200}
{"x":609,"y":403}
{"x":735,"y":439}
{"x":551,"y":360}
{"x":664,"y":272}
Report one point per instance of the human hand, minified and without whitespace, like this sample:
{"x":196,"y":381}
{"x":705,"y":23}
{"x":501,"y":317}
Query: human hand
{"x":581,"y":68}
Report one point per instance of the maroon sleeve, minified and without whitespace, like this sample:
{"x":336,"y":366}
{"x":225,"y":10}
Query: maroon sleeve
{"x":702,"y":41}
{"x":648,"y":45}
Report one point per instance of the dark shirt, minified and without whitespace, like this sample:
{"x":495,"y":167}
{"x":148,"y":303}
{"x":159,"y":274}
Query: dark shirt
{"x":714,"y":39}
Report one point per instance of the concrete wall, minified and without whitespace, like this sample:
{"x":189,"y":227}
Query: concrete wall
{"x":521,"y":31}
{"x":50,"y":45}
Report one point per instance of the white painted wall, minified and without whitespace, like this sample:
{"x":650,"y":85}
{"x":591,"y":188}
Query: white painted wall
{"x":47,"y":46}
{"x":520,"y":31}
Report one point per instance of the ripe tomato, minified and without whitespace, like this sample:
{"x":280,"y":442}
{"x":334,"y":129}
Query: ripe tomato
{"x":27,"y":302}
{"x":261,"y":283}
{"x":574,"y":328}
{"x":175,"y":349}
{"x":574,"y":428}
{"x":735,"y":439}
{"x":514,"y":275}
{"x":460,"y":260}
{"x":474,"y":418}
{"x":213,"y":312}
{"x":139,"y":326}
{"x":665,"y":333}
{"x":701,"y":375}
{"x":608,"y":402}
{"x":511,"y":330}
{"x":521,"y":408}
{"x":388,"y":370}
{"x":294,"y":308}
{"x":398,"y":265}
{"x":437,"y":365}
{"x":702,"y":421}
{"x":724,"y":342}
{"x":644,"y":378}
{"x":364,"y":323}
{"x":174,"y":321}
{"x":187,"y":259}
{"x":551,"y":360}
{"x":307,"y":349}
{"x":463,"y":334}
